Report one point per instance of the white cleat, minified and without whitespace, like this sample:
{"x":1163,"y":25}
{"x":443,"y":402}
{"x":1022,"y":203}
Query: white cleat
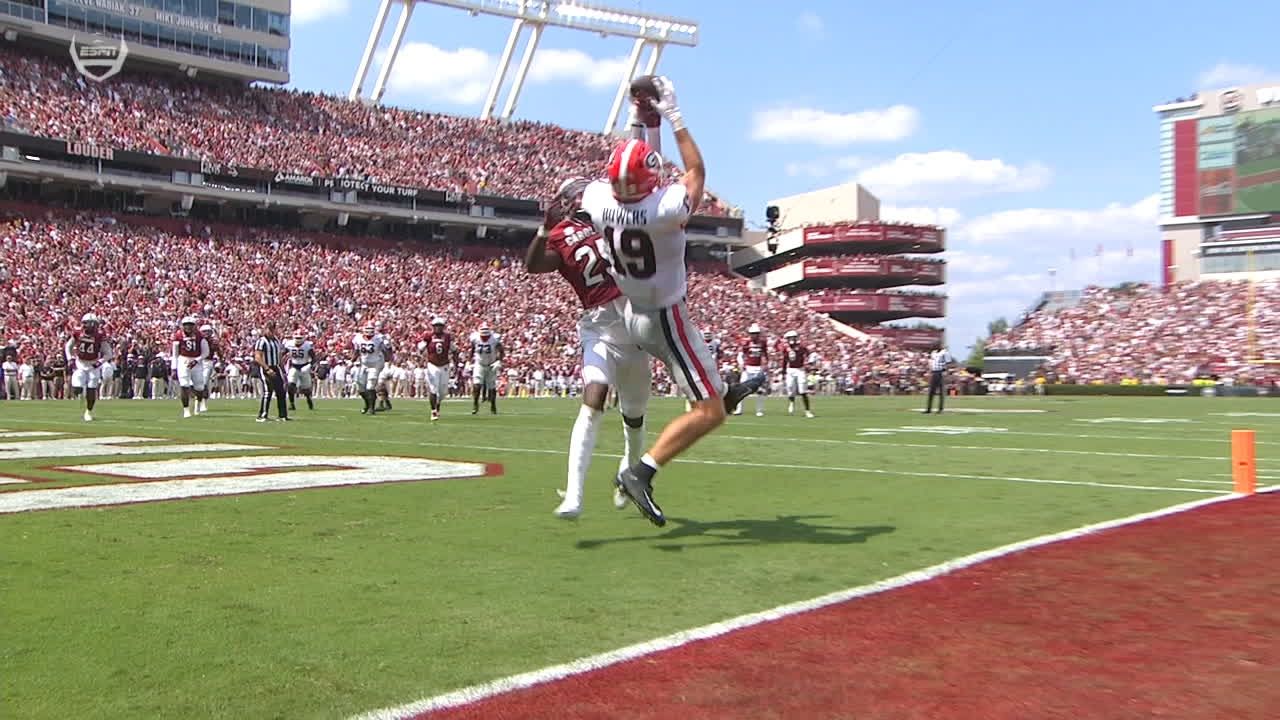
{"x":568,"y":509}
{"x":88,"y":416}
{"x":201,"y":407}
{"x":808,"y":413}
{"x":186,"y":412}
{"x":759,"y":413}
{"x":620,"y":499}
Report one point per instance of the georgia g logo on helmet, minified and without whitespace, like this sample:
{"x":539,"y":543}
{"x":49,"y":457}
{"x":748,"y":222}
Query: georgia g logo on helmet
{"x":635,"y":171}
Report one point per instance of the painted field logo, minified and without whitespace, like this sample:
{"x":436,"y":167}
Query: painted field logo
{"x":99,"y":59}
{"x":193,"y":477}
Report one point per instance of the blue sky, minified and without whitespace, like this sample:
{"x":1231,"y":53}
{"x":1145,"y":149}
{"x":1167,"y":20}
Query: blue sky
{"x":1023,"y":127}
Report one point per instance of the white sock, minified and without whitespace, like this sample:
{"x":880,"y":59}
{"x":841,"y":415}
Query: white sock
{"x":581,"y":444}
{"x":648,"y":460}
{"x":633,"y":444}
{"x":759,"y":403}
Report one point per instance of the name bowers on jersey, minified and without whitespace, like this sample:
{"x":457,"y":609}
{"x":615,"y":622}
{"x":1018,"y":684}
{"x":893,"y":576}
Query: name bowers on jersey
{"x":624,"y":216}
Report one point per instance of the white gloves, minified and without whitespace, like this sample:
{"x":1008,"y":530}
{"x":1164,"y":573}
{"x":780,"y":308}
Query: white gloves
{"x":666,"y":103}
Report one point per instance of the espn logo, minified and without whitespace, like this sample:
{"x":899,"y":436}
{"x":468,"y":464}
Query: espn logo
{"x":99,"y":59}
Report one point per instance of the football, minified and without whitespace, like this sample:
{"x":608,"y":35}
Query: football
{"x":644,"y":87}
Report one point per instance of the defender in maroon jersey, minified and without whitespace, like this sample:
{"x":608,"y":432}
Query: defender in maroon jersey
{"x":190,"y":350}
{"x":568,"y":243}
{"x":753,"y":357}
{"x":439,"y":352}
{"x":795,"y":360}
{"x":85,"y":352}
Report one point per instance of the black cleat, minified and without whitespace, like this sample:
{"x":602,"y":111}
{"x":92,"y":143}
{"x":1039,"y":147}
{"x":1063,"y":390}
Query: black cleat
{"x":641,"y":493}
{"x":364,"y":411}
{"x":475,"y":411}
{"x":739,"y":392}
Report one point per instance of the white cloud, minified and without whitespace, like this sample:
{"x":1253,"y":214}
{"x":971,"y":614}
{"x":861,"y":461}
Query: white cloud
{"x":998,"y":264}
{"x":796,"y":124}
{"x":944,"y":216}
{"x":1030,"y":225}
{"x":462,"y":76}
{"x":950,"y":173}
{"x":823,"y":168}
{"x":811,"y":23}
{"x":553,"y":65}
{"x":305,"y":11}
{"x":1226,"y":74}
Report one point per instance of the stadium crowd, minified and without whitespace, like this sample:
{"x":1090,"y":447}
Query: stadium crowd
{"x":142,"y":275}
{"x":298,"y":132}
{"x":1152,"y":335}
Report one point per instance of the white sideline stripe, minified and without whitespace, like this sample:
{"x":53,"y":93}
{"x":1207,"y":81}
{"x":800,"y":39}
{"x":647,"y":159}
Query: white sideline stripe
{"x":482,"y":691}
{"x":7,"y":480}
{"x":1206,"y":482}
{"x":987,"y":448}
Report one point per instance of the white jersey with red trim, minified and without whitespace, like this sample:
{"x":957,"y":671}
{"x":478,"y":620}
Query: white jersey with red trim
{"x":646,"y":241}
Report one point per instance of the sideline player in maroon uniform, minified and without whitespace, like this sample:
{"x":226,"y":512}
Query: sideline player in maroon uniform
{"x":439,"y":352}
{"x":85,"y":351}
{"x":795,"y":358}
{"x":190,"y":350}
{"x":752,"y":358}
{"x":568,"y":243}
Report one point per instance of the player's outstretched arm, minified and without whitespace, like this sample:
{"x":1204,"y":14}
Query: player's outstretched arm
{"x":537,"y":259}
{"x":695,"y":171}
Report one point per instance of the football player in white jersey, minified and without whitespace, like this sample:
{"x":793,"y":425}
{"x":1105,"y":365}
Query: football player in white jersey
{"x":371,"y":355}
{"x":302,"y":358}
{"x":643,"y":227}
{"x":386,"y":378}
{"x":486,"y":355}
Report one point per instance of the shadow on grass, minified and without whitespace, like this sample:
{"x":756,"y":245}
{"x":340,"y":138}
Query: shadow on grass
{"x":723,"y":533}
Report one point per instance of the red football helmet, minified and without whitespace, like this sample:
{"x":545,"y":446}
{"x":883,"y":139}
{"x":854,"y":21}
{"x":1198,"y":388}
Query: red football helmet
{"x":635,"y":171}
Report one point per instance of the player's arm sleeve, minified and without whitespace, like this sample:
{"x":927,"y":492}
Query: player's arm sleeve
{"x":204,"y":349}
{"x":537,"y":258}
{"x":174,"y":354}
{"x":675,"y":207}
{"x":67,"y":350}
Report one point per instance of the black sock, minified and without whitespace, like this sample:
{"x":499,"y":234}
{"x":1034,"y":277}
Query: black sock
{"x":806,"y":401}
{"x":644,"y":471}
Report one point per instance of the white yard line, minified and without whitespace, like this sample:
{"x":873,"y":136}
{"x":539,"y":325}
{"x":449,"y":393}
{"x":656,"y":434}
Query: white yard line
{"x":475,"y":693}
{"x":1205,"y":482}
{"x":776,"y":466}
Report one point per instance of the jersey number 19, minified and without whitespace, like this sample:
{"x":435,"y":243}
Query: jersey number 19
{"x":632,"y":252}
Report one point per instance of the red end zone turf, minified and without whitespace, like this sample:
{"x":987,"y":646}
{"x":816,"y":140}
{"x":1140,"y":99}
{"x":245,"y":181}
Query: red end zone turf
{"x":1176,"y":617}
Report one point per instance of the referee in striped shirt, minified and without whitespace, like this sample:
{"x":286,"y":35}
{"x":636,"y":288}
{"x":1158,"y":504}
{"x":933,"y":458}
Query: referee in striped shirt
{"x":939,"y":360}
{"x":267,"y":354}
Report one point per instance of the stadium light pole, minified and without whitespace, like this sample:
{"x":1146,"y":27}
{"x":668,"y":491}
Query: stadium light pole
{"x":616,"y":108}
{"x":397,"y":37}
{"x":656,"y":31}
{"x":499,"y":75}
{"x":375,"y":35}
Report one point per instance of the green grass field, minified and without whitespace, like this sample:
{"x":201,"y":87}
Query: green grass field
{"x":323,"y":603}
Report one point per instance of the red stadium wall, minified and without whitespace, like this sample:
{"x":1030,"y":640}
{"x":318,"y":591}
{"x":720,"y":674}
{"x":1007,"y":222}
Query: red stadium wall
{"x":873,"y":267}
{"x":1185,"y":183}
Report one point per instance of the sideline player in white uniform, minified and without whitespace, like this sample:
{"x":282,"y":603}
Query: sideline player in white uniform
{"x":85,"y":352}
{"x":568,"y":243}
{"x":190,"y":350}
{"x":486,"y":355}
{"x":643,"y":228}
{"x":371,"y":356}
{"x":302,"y":358}
{"x":386,"y":378}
